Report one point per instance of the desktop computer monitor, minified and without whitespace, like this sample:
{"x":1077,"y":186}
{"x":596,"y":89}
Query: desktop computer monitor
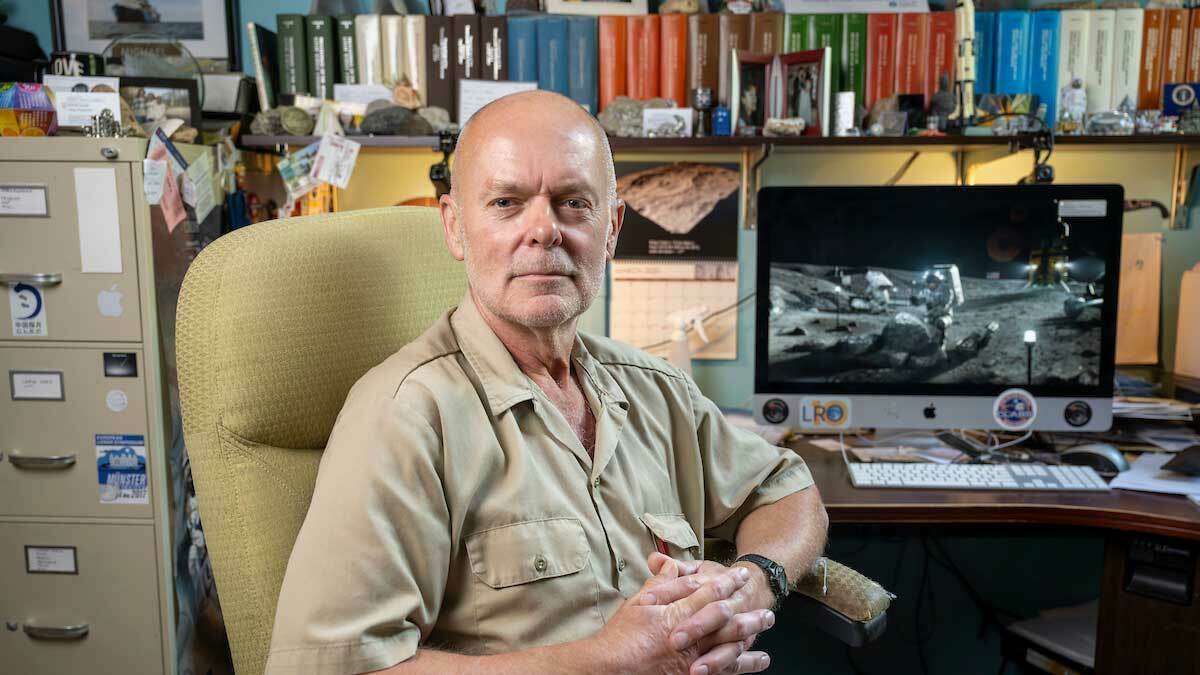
{"x":990,"y":307}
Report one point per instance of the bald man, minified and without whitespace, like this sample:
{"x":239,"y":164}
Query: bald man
{"x":507,"y":495}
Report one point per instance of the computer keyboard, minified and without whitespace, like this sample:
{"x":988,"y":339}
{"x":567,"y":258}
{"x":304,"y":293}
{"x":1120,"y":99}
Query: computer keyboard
{"x":976,"y":476}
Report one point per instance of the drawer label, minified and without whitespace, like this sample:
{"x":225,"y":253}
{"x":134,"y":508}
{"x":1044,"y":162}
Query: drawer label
{"x":50,"y":560}
{"x":40,"y":385}
{"x":24,"y":201}
{"x":121,"y":469}
{"x":27,"y":305}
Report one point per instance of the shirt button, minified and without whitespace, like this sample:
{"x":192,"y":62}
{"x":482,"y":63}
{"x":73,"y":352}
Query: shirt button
{"x":539,"y":564}
{"x":621,"y":565}
{"x":596,"y":483}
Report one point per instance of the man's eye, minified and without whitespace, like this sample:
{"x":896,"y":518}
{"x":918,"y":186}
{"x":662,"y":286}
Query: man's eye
{"x":575,"y":204}
{"x":502,"y":203}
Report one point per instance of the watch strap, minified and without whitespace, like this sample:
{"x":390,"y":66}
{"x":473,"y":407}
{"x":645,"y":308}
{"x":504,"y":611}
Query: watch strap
{"x":776,"y":575}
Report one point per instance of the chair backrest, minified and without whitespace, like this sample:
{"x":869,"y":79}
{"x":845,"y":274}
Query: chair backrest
{"x":275,"y":323}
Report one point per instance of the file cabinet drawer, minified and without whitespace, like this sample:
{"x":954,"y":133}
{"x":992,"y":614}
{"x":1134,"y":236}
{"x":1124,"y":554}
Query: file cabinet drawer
{"x":101,"y":618}
{"x":73,"y":267}
{"x":73,"y":438}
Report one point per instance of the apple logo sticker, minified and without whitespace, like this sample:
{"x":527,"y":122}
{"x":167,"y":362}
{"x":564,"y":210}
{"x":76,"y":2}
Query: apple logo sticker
{"x":109,"y":302}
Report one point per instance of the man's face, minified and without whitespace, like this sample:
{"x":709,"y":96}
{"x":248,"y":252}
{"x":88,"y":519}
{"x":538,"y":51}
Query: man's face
{"x":532,"y":220}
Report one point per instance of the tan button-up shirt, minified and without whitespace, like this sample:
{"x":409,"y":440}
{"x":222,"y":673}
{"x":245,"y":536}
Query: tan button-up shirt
{"x":455,"y":508}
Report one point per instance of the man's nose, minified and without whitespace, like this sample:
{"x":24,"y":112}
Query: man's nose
{"x":542,"y":226}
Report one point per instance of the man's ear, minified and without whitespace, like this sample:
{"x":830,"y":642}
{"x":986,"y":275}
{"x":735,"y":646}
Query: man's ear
{"x":616,"y":219}
{"x":451,"y":227}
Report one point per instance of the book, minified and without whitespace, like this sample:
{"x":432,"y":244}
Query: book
{"x":1174,"y":61}
{"x":939,"y":56}
{"x":613,"y":51}
{"x":1043,"y":61}
{"x":292,"y":59}
{"x":321,"y":56}
{"x":642,"y":61}
{"x":1073,"y":36}
{"x":493,"y":37}
{"x":439,"y":63}
{"x":827,"y":32}
{"x":582,"y":86}
{"x":415,"y":66}
{"x":263,"y":51}
{"x":912,"y":30}
{"x":522,"y":48}
{"x":985,"y":52}
{"x":881,"y":57}
{"x":1127,"y":56}
{"x":673,"y":59}
{"x":766,"y":32}
{"x":797,"y":35}
{"x":369,"y":58}
{"x":347,"y":71}
{"x":854,"y":62}
{"x":1192,"y":69}
{"x":734,"y":34}
{"x":466,"y":46}
{"x":392,"y":48}
{"x":1150,"y":71}
{"x":552,"y":54}
{"x":704,"y":36}
{"x":1012,"y":52}
{"x":1099,"y":80}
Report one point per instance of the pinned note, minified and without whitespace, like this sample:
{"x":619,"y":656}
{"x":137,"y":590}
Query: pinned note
{"x":154,"y":174}
{"x":335,"y":160}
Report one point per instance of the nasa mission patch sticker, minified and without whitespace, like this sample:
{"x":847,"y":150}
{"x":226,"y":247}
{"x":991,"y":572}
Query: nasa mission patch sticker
{"x":1015,"y":410}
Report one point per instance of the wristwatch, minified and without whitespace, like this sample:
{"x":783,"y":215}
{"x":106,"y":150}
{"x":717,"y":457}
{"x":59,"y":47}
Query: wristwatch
{"x":775,"y":575}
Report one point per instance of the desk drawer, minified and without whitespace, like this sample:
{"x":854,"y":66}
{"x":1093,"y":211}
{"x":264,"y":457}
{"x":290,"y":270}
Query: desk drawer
{"x":104,"y":617}
{"x":55,"y":450}
{"x":96,"y":301}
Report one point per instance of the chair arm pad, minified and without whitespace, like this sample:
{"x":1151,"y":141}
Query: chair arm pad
{"x":844,"y":590}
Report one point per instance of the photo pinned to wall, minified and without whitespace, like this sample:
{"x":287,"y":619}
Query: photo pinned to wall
{"x":207,"y":28}
{"x":676,"y":256}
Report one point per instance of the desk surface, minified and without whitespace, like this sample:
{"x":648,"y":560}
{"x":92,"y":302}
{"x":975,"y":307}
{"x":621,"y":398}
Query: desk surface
{"x":1167,"y":515}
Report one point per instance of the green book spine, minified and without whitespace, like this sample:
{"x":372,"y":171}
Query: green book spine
{"x":799,"y":32}
{"x":827,"y":32}
{"x":293,"y":64}
{"x":854,"y":56}
{"x":346,"y":54}
{"x":322,"y":55}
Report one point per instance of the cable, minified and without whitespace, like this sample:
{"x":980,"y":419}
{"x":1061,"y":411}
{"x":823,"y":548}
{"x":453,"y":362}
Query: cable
{"x":712,"y":315}
{"x":1021,"y":439}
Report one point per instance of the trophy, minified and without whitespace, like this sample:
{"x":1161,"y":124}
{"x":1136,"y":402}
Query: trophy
{"x":702,"y":101}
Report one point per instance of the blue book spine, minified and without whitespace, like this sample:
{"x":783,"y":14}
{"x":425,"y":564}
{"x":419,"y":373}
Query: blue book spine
{"x":581,"y":62}
{"x":553,"y":61}
{"x":522,"y":49}
{"x":985,"y":52}
{"x":1043,"y":62}
{"x":1012,"y":52}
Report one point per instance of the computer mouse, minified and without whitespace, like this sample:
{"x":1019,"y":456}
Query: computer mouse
{"x":1102,"y":457}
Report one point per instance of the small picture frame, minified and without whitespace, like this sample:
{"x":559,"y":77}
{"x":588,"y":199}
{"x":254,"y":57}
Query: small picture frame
{"x":802,"y":87}
{"x":154,"y":99}
{"x":596,"y":7}
{"x":749,"y":97}
{"x":667,"y":122}
{"x":894,"y":122}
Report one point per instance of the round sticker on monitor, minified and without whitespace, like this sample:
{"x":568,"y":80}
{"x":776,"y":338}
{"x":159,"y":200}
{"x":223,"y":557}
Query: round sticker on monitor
{"x":1015,"y":409}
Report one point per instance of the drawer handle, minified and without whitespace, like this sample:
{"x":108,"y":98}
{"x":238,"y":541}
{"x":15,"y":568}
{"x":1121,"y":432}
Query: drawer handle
{"x":46,"y":462}
{"x":43,"y":280}
{"x":57,"y":632}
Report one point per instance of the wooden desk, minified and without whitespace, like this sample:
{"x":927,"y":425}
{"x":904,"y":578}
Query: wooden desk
{"x":1137,"y":634}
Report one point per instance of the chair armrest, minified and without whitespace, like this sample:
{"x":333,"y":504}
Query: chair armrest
{"x":832,"y":597}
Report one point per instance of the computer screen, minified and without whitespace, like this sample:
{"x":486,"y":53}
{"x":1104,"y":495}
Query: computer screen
{"x":938,"y":291}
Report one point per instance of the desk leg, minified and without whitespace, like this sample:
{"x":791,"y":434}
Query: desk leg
{"x":1149,"y":607}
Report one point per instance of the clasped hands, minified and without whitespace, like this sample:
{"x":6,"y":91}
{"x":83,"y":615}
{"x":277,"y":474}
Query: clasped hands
{"x":695,"y":617}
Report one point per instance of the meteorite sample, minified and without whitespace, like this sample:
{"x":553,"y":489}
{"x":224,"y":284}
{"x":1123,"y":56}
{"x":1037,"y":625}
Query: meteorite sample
{"x":677,"y":197}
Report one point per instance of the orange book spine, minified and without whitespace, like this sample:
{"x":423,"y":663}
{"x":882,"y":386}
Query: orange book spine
{"x":1192,"y":71}
{"x":1175,"y":35}
{"x":674,"y":58}
{"x":1150,"y":75}
{"x":611,"y":36}
{"x":911,"y":34}
{"x":642,"y":64}
{"x":939,"y":55}
{"x":881,"y":57}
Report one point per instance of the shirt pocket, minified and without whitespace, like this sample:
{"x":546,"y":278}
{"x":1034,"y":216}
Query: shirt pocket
{"x":524,"y":573}
{"x":675,"y":534}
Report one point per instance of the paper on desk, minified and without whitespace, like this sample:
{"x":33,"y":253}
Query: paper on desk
{"x":1146,"y":475}
{"x":1171,"y":439}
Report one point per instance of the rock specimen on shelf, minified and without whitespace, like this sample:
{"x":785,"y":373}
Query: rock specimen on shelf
{"x":395,"y":120}
{"x":623,"y":116}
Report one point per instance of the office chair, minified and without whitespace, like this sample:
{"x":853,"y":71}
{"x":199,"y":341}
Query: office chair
{"x":275,"y":323}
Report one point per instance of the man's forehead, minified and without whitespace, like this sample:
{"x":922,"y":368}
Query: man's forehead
{"x":501,"y":161}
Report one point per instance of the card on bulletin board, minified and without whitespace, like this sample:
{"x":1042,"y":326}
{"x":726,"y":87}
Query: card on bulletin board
{"x":1138,"y":298}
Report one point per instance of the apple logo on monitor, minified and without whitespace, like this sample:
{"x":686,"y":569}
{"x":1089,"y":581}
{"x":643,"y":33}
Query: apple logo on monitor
{"x":930,"y":411}
{"x":109,"y":302}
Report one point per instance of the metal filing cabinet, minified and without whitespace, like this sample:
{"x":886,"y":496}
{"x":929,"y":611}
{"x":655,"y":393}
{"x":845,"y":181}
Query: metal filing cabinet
{"x":86,"y":562}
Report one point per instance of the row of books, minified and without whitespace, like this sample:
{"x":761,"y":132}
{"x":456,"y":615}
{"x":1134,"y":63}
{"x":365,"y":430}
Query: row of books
{"x":1116,"y":54}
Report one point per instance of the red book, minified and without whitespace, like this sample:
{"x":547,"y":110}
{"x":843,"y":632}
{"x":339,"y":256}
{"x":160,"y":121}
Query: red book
{"x":1175,"y":36}
{"x":1192,"y":73}
{"x":881,"y":57}
{"x":939,"y":56}
{"x":673,"y":62}
{"x":911,"y":34}
{"x":612,"y":51}
{"x":1150,"y":75}
{"x":641,"y":65}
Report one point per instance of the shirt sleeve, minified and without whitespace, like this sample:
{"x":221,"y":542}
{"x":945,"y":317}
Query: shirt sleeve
{"x":741,"y":470}
{"x":369,"y":567}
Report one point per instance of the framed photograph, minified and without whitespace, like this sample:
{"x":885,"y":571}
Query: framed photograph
{"x":594,"y":7}
{"x":207,"y":28}
{"x":749,"y":95}
{"x":803,"y":88}
{"x":154,"y":99}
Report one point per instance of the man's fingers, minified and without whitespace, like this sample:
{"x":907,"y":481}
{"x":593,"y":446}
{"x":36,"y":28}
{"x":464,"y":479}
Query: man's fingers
{"x":744,"y":626}
{"x":718,"y":660}
{"x":657,"y":561}
{"x":752,"y":662}
{"x":719,"y":588}
{"x":666,"y":592}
